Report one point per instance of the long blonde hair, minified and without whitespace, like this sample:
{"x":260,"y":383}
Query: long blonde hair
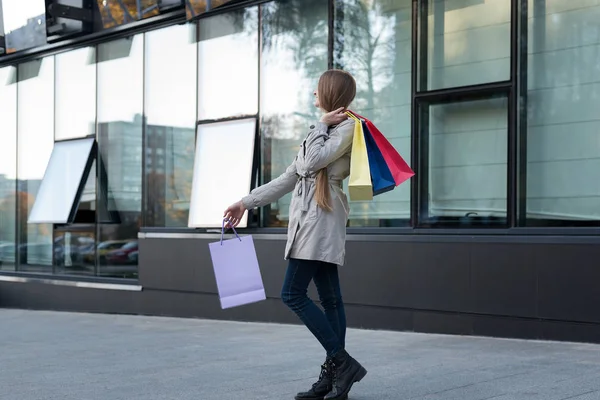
{"x":336,"y":89}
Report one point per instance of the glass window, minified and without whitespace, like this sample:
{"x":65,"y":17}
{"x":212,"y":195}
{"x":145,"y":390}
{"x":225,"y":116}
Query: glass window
{"x":75,"y":245}
{"x":120,"y":108}
{"x":196,"y":7}
{"x":563,"y":141}
{"x":222,"y":170}
{"x":466,"y":147}
{"x":373,"y":42}
{"x":8,"y":167}
{"x":467,"y":42}
{"x":75,"y":94}
{"x":120,"y":12}
{"x":170,"y":92}
{"x":226,"y":42}
{"x":24,"y":24}
{"x":67,"y":171}
{"x":74,"y":251}
{"x":35,"y":106}
{"x":294,"y":55}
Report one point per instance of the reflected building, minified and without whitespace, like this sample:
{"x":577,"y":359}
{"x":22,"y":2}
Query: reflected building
{"x":121,"y":158}
{"x":168,"y":171}
{"x":31,"y":35}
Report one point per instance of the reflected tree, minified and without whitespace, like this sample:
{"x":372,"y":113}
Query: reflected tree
{"x":362,"y":46}
{"x":119,"y":12}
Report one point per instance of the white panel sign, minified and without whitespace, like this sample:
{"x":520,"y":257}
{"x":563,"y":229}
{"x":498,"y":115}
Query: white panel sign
{"x":62,"y":178}
{"x":222,"y":170}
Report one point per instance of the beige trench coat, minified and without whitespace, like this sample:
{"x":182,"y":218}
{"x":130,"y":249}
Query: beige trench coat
{"x":313,"y":233}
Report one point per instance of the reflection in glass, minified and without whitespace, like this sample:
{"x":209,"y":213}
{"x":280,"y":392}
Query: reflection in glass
{"x":467,"y":161}
{"x":170,"y":93}
{"x":120,"y":107}
{"x":460,"y":34}
{"x":75,"y":252}
{"x":56,"y":199}
{"x":294,"y":56}
{"x":36,"y":139}
{"x":8,"y":167}
{"x":24,"y":24}
{"x":563,"y":124}
{"x":120,"y":12}
{"x":75,"y":94}
{"x":227,"y":42}
{"x":194,"y":8}
{"x":219,"y":182}
{"x":373,"y":42}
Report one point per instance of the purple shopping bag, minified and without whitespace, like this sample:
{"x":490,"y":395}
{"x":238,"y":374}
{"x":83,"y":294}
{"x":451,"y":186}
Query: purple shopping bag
{"x":236,"y":270}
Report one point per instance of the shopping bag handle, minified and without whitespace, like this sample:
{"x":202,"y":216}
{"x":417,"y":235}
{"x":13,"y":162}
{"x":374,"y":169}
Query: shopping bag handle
{"x":223,"y":230}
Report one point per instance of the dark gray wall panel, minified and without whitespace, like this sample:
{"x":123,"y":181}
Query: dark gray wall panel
{"x":503,"y":279}
{"x":570,"y":331}
{"x":272,"y":265}
{"x":446,"y":323}
{"x":52,"y":297}
{"x":176,"y":264}
{"x":376,"y":273}
{"x":522,"y":287}
{"x":368,"y":317}
{"x":439,"y":276}
{"x":569,"y":281}
{"x":485,"y":325}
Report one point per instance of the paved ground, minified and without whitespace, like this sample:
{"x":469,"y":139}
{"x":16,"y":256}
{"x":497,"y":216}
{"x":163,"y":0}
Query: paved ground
{"x":47,"y":356}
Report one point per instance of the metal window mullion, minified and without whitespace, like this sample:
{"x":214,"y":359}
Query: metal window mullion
{"x":331,"y":34}
{"x":513,"y":100}
{"x":414,"y":125}
{"x":98,"y":182}
{"x":264,"y":211}
{"x":258,"y":144}
{"x":54,"y":140}
{"x":522,"y":128}
{"x":17,"y":200}
{"x":144,"y":205}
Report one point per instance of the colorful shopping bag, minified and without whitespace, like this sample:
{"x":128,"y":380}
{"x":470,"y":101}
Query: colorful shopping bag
{"x":399,"y":168}
{"x":360,"y":186}
{"x":236,"y":270}
{"x":381,"y":176}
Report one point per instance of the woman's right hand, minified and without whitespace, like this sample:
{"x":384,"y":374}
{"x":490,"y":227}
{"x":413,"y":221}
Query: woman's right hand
{"x":234,"y":214}
{"x":334,"y":117}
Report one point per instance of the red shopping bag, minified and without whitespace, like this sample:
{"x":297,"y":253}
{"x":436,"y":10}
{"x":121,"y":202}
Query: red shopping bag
{"x":399,"y":168}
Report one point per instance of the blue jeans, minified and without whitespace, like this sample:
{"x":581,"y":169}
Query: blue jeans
{"x":328,"y":327}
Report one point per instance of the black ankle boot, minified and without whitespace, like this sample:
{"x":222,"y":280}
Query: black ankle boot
{"x":321,"y":387}
{"x":346,"y":371}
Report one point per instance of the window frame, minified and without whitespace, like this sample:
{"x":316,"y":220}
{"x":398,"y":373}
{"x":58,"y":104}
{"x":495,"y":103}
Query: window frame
{"x":424,"y":220}
{"x":87,"y":169}
{"x":511,"y":88}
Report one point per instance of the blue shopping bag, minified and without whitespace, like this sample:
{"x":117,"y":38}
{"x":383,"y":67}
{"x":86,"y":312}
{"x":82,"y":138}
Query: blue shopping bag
{"x":381,"y":176}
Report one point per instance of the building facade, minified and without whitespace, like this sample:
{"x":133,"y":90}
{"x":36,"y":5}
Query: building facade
{"x":184,"y":106}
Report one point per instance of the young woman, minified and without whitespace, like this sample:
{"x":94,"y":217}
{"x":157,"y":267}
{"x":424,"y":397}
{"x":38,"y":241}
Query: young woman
{"x":317,"y":231}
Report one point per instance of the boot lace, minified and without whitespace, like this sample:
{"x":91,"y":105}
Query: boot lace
{"x":322,"y":375}
{"x":334,"y":375}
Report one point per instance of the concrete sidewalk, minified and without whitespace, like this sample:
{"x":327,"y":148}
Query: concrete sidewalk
{"x":51,"y":355}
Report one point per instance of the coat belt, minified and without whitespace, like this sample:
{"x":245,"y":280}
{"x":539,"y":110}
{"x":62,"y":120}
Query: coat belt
{"x":303,"y":188}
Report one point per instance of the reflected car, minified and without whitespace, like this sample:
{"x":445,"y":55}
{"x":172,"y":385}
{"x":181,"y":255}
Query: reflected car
{"x":78,"y":245}
{"x":7,"y":252}
{"x":121,"y":256}
{"x":103,"y":249}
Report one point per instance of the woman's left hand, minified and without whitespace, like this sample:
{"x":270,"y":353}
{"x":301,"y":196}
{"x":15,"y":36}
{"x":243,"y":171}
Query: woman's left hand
{"x":334,"y":117}
{"x":234,"y":213}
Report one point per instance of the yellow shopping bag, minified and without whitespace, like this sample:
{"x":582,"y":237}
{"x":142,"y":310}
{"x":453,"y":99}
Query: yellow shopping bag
{"x":359,"y":185}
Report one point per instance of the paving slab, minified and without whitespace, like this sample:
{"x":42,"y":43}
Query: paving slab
{"x":56,"y":355}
